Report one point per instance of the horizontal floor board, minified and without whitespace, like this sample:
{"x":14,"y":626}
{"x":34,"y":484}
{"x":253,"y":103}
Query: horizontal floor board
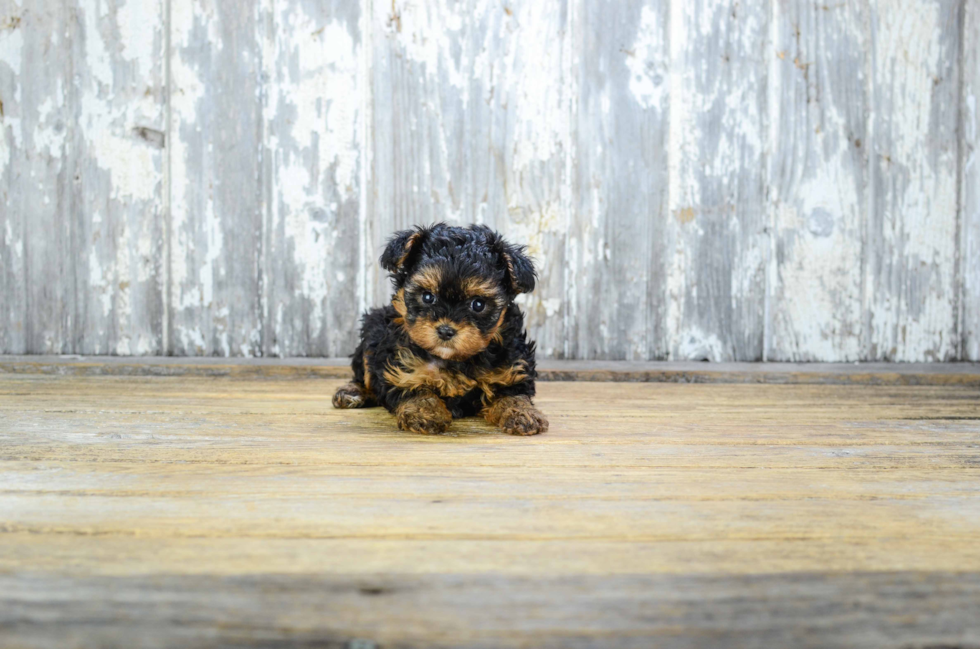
{"x":549,"y":370}
{"x":168,"y":508}
{"x":852,"y":611}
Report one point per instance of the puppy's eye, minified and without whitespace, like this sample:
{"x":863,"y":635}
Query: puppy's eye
{"x":478,"y":305}
{"x":428,"y":297}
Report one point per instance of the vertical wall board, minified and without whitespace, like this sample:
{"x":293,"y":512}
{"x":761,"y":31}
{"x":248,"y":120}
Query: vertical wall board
{"x":470,"y":124}
{"x":13,"y":294}
{"x":215,"y":164}
{"x":819,"y":69}
{"x":911,"y":276}
{"x":117,"y":183}
{"x":716,"y":228}
{"x":312,"y":107}
{"x":970,"y":182}
{"x":617,"y":296}
{"x":36,"y":273}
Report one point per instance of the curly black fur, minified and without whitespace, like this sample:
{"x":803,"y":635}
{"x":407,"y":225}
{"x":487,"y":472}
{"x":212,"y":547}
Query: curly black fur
{"x":465,"y":279}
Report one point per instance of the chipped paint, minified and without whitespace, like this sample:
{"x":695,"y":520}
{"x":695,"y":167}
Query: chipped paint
{"x":729,"y":181}
{"x":911,"y":279}
{"x":647,"y":66}
{"x":715,"y":284}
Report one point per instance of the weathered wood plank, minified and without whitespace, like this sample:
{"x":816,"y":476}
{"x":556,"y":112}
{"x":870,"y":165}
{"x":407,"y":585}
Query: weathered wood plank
{"x":470,"y":126}
{"x":818,"y":103}
{"x":196,"y":511}
{"x":880,"y":374}
{"x":216,"y":179}
{"x":863,"y":610}
{"x":38,"y":283}
{"x":13,"y":294}
{"x":312,"y":105}
{"x":117,"y":153}
{"x":911,"y":272}
{"x":617,"y":253}
{"x":970,"y":183}
{"x":716,"y":229}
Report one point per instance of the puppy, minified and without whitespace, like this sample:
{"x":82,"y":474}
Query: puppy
{"x":451,"y":343}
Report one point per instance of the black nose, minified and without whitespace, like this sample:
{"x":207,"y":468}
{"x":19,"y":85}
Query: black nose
{"x":445,"y":332}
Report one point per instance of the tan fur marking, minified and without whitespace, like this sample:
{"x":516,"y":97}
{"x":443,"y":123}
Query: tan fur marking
{"x":413,"y":373}
{"x":398,"y":302}
{"x":501,"y":376}
{"x":468,"y":341}
{"x":510,"y":271}
{"x":480,"y":286}
{"x":516,"y":416}
{"x":367,"y":372}
{"x":428,"y":278}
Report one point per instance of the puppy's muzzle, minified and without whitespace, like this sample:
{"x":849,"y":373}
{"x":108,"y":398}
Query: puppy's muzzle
{"x":445,"y":332}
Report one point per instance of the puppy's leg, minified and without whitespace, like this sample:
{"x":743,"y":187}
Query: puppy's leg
{"x":423,"y":413}
{"x":357,"y":393}
{"x":516,"y":416}
{"x":353,"y":395}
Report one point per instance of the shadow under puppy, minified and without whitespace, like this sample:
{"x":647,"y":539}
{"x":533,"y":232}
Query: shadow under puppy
{"x":451,"y":343}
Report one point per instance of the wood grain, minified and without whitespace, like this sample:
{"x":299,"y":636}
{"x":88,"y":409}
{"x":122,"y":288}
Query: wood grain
{"x":817,"y":179}
{"x":617,"y":237}
{"x":879,"y":374}
{"x":865,"y":610}
{"x":197,"y":511}
{"x":969,"y":249}
{"x":36,"y":234}
{"x":716,"y":224}
{"x":911,"y":288}
{"x":216,"y":179}
{"x":311,"y":164}
{"x":117,"y":186}
{"x":771,"y":180}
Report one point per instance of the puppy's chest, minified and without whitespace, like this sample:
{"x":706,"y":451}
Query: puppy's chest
{"x":410,"y":372}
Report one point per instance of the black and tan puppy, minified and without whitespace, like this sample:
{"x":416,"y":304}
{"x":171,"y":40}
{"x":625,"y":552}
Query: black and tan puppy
{"x":452,"y":342}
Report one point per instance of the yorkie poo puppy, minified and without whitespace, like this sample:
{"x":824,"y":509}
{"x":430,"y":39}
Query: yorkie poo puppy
{"x":451,"y":343}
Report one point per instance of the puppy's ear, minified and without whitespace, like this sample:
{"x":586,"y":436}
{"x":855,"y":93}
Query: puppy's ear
{"x":520,"y":268}
{"x":517,"y":265}
{"x":401,"y":245}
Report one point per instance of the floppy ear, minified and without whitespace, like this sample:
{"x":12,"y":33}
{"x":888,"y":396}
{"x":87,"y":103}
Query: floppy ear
{"x":399,"y":249}
{"x":520,"y":269}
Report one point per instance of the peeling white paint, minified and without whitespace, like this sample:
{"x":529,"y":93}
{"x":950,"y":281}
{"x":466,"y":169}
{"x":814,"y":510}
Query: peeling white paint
{"x":493,"y":127}
{"x":51,"y":132}
{"x":648,"y":74}
{"x":11,"y":47}
{"x":131,"y":20}
{"x":715,"y":149}
{"x":913,"y":310}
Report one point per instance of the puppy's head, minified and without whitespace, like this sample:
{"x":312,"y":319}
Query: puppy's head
{"x":453,"y":285}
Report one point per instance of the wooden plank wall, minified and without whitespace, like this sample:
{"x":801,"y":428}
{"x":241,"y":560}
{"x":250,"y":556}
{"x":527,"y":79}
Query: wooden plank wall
{"x":698,"y":179}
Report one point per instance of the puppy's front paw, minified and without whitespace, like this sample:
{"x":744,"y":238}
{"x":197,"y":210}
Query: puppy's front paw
{"x":426,"y":414}
{"x":516,"y":416}
{"x":524,"y":422}
{"x":352,"y":395}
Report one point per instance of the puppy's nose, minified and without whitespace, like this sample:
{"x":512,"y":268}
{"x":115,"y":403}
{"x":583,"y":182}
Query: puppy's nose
{"x":445,"y":332}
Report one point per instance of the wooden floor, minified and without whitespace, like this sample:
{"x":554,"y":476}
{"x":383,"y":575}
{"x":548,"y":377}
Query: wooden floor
{"x":202,"y":511}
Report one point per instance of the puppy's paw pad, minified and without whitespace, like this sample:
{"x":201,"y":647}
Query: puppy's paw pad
{"x":424,"y":416}
{"x":349,"y":396}
{"x":524,"y":422}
